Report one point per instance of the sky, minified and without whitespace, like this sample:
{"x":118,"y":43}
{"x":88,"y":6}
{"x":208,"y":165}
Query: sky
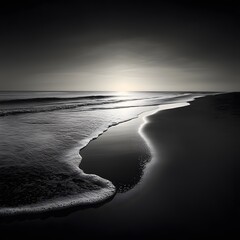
{"x":120,"y":46}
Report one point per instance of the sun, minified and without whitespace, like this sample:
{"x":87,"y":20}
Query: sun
{"x":123,"y":84}
{"x":122,"y":92}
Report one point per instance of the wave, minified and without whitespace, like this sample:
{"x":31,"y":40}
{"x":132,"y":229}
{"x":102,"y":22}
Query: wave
{"x":53,"y":99}
{"x":6,"y":112}
{"x":54,"y":191}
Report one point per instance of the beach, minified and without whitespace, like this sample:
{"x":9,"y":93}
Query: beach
{"x":177,"y":178}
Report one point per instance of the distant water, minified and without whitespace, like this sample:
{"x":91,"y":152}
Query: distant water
{"x":41,"y":134}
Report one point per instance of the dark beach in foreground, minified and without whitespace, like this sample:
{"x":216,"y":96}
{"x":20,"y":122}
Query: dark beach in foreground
{"x":189,"y":189}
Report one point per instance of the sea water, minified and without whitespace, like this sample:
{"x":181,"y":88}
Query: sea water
{"x":41,"y":135}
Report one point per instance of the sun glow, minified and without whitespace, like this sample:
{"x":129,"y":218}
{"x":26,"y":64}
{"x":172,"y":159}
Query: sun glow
{"x":123,"y":83}
{"x":123,"y":87}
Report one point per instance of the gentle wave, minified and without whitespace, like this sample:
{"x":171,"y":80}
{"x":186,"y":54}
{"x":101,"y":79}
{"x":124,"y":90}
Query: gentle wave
{"x":6,"y":112}
{"x":51,"y":99}
{"x":89,"y":189}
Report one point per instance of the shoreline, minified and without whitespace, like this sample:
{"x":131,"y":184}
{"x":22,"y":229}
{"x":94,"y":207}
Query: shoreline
{"x":145,"y":119}
{"x":140,"y":122}
{"x":179,"y":191}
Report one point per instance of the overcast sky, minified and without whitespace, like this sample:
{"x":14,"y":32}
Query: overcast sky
{"x":120,"y":46}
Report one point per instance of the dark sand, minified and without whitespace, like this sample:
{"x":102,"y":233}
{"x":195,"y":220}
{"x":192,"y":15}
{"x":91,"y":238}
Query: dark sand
{"x":190,"y":188}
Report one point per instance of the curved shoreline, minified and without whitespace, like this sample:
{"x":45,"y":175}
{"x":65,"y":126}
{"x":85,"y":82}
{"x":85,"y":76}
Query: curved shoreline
{"x":102,"y":169}
{"x":143,"y":135}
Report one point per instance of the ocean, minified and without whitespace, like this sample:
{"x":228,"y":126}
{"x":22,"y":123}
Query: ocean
{"x":41,"y":135}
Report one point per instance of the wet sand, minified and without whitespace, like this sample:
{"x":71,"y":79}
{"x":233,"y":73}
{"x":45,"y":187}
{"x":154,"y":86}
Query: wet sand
{"x":189,"y":190}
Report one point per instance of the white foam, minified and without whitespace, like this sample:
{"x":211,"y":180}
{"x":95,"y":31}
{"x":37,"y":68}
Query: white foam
{"x":84,"y":199}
